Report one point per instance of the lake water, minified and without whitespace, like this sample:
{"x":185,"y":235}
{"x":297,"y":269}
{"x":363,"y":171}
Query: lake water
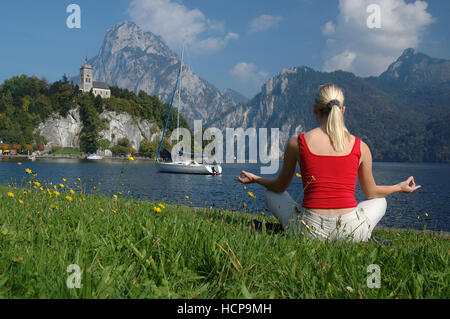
{"x":141,"y":181}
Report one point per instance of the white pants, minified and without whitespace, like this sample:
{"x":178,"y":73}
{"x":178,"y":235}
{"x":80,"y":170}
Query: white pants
{"x":356,"y":225}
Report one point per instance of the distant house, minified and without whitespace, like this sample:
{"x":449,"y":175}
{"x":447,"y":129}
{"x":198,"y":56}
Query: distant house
{"x":87,"y":82}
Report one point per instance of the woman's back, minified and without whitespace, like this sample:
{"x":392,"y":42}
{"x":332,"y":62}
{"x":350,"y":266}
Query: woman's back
{"x":319,"y":143}
{"x":332,"y":190}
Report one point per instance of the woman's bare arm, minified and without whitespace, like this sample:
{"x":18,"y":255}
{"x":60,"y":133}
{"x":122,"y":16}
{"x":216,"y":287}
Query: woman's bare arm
{"x":282,"y":182}
{"x":367,"y":182}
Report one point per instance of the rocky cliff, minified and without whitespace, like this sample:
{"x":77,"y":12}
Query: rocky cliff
{"x":65,"y":132}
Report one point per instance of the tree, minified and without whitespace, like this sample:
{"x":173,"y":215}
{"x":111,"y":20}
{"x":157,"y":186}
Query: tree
{"x":98,"y":104}
{"x":91,"y":124}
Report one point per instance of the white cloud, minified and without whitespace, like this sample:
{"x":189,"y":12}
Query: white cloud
{"x":341,"y":61}
{"x":328,"y":28}
{"x":248,"y":72}
{"x":353,"y":46}
{"x":176,"y":23}
{"x":264,"y":22}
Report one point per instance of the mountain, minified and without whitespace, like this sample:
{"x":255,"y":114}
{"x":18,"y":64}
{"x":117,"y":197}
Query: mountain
{"x":399,"y":121}
{"x":236,"y":96}
{"x":399,"y":114}
{"x":413,"y":67}
{"x":136,"y":60}
{"x":286,"y":102}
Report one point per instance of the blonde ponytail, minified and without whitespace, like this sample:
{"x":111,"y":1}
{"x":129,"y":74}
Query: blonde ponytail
{"x":329,"y":100}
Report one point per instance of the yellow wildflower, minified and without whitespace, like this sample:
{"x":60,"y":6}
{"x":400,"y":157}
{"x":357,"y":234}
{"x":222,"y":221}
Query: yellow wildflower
{"x":61,"y":185}
{"x":157,"y":209}
{"x":69,"y":198}
{"x":56,"y":193}
{"x":101,"y":210}
{"x":130,"y":158}
{"x":426,"y":214}
{"x":37,"y":184}
{"x":28,"y":171}
{"x":251,"y":194}
{"x":20,"y":202}
{"x":41,"y":189}
{"x":187,"y":197}
{"x":114,"y":211}
{"x":11,"y":195}
{"x":115,"y":196}
{"x":72,"y":192}
{"x":161,"y":205}
{"x":54,"y":186}
{"x":64,"y":180}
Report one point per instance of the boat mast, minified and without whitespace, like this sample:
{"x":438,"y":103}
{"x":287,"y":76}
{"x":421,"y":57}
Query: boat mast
{"x":179,"y":94}
{"x":170,"y":109}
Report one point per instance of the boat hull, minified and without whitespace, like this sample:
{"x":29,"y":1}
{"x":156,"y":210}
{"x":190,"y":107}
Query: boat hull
{"x":94,"y":158}
{"x":186,"y":168}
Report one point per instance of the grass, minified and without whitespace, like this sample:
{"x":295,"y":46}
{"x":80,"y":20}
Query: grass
{"x":126,"y":249}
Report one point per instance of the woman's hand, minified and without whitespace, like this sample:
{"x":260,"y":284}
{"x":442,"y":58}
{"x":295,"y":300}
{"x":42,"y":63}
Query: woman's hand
{"x":405,"y":186}
{"x":246,"y":178}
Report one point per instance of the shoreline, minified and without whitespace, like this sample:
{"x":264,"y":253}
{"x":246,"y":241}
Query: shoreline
{"x":74,"y":157}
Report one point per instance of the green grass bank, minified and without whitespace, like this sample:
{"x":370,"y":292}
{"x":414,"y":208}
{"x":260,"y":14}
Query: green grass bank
{"x":137,"y":249}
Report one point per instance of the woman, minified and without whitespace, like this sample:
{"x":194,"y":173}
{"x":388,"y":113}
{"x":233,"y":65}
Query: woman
{"x":330,"y":160}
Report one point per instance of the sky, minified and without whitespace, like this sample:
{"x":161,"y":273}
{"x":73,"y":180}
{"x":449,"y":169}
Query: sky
{"x":230,"y":43}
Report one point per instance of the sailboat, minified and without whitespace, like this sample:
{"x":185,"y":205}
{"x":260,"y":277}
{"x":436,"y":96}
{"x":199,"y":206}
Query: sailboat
{"x":186,"y":166}
{"x":94,"y":157}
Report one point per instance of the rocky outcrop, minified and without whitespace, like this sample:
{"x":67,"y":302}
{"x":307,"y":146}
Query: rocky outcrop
{"x":65,"y":132}
{"x":125,"y":126}
{"x":62,"y":132}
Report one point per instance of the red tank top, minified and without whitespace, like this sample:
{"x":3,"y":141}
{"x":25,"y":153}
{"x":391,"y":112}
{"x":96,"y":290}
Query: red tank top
{"x":329,"y":181}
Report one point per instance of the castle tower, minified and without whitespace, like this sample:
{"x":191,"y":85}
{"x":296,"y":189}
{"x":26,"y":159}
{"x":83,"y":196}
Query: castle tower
{"x":86,"y":77}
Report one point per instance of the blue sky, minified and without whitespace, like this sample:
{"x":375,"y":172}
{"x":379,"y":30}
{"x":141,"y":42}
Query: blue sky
{"x":232,"y":44}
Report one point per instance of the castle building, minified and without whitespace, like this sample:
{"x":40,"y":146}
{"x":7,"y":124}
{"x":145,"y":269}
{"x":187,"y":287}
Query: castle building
{"x":87,"y":82}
